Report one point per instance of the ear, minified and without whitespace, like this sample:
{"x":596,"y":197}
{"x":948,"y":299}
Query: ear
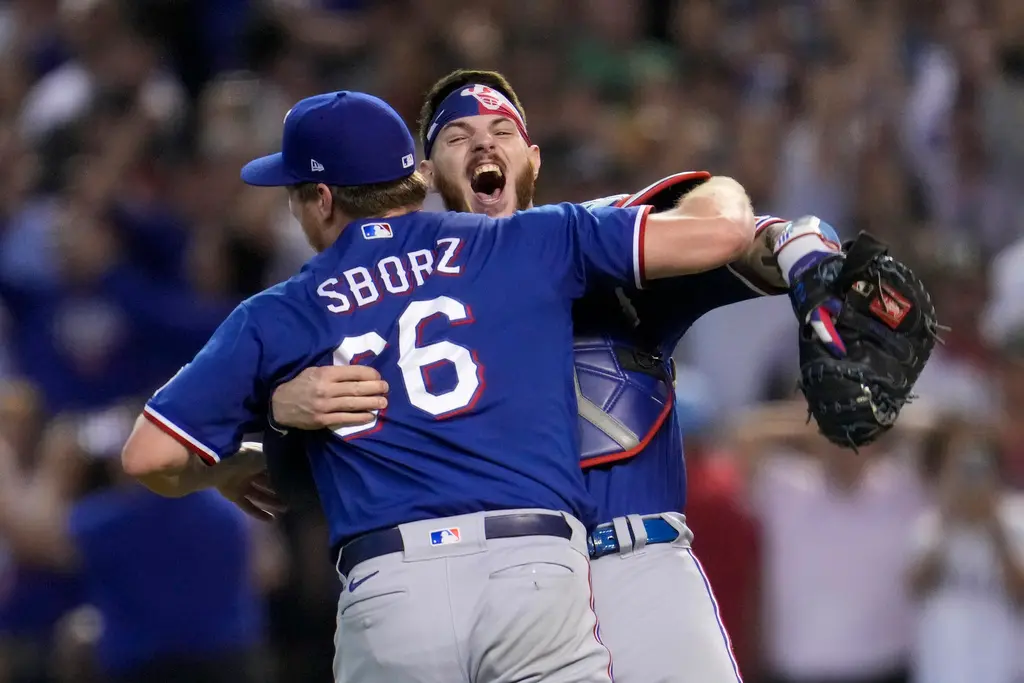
{"x":533,"y":154}
{"x":324,"y":200}
{"x":426,"y":169}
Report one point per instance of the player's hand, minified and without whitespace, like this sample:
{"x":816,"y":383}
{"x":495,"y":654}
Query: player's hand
{"x":801,"y":249}
{"x":330,"y":396}
{"x":254,"y":496}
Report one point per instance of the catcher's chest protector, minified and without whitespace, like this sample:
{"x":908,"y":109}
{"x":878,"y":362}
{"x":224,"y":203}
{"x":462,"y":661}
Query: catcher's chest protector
{"x":624,"y":396}
{"x":624,"y":391}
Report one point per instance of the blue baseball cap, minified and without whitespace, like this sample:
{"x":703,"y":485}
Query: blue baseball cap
{"x":339,"y":138}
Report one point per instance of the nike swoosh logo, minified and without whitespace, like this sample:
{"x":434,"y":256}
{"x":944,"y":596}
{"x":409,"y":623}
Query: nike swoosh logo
{"x":356,"y":583}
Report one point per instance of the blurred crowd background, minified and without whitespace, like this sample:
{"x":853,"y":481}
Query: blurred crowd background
{"x":126,"y":236}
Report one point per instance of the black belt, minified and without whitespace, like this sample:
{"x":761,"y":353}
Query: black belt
{"x":387,"y":541}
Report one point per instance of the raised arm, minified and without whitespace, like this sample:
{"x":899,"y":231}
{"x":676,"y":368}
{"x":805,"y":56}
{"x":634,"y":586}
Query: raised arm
{"x":712,"y":225}
{"x":756,"y":268}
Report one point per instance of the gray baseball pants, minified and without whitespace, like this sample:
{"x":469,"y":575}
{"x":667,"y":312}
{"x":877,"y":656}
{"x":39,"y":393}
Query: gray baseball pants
{"x":475,"y":610}
{"x":658,"y":615}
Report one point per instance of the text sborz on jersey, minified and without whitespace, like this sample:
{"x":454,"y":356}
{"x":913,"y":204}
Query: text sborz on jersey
{"x":391,"y":275}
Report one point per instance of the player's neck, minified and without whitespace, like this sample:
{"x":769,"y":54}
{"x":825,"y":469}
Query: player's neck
{"x":344,"y":221}
{"x":402,"y":211}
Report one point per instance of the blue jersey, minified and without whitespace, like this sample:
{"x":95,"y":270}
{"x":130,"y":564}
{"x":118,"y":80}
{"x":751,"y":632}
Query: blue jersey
{"x":468,"y":319}
{"x":625,"y":338}
{"x":132,"y":546}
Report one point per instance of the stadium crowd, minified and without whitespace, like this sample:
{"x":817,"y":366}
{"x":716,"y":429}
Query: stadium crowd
{"x":126,"y":236}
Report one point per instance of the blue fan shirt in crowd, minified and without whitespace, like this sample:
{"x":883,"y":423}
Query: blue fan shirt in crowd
{"x":88,"y":345}
{"x":32,"y":601}
{"x":468,"y":319}
{"x":134,"y":547}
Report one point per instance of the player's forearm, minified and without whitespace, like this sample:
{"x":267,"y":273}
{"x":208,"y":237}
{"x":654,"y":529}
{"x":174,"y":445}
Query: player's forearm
{"x":758,"y":261}
{"x":197,"y":476}
{"x":713,"y":225}
{"x":175,"y":483}
{"x":167,"y":468}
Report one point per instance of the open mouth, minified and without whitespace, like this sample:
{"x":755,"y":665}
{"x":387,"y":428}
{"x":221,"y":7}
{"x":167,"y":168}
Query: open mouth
{"x":488,"y":183}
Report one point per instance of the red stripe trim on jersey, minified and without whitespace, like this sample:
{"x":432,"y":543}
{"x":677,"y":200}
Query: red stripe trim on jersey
{"x":639,"y":235}
{"x":181,"y":436}
{"x":625,"y":455}
{"x":763,"y":222}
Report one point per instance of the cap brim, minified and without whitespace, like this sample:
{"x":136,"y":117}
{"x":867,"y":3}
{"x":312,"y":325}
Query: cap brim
{"x":268,"y":171}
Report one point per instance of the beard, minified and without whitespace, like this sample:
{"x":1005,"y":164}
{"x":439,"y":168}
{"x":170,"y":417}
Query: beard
{"x":454,"y":197}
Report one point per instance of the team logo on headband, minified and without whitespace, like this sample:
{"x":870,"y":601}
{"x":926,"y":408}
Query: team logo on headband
{"x":489,"y":97}
{"x":486,"y":100}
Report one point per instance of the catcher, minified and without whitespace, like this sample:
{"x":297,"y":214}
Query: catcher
{"x":657,"y":614}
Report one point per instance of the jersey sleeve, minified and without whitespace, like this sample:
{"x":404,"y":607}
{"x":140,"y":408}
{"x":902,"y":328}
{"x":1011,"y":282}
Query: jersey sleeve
{"x":610,"y":241}
{"x":209,"y":403}
{"x":605,"y":242}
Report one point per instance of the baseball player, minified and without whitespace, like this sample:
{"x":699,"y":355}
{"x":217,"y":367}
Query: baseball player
{"x":658,"y":615}
{"x":460,"y":513}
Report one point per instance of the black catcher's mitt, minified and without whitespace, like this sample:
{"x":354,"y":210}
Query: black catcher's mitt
{"x":887,"y":322}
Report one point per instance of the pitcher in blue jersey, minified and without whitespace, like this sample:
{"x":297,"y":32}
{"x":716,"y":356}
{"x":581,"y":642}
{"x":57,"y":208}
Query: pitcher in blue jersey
{"x":658,"y":614}
{"x":459,"y":512}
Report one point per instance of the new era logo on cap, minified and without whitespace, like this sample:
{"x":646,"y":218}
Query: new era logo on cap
{"x":445,"y":536}
{"x":377,"y":231}
{"x":315,"y":166}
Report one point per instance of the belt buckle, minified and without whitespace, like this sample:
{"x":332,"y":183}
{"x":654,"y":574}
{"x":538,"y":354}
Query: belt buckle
{"x":597,"y":546}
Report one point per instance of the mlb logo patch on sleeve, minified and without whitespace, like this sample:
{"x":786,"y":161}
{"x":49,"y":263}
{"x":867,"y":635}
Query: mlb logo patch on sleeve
{"x":377,"y":231}
{"x":445,"y":536}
